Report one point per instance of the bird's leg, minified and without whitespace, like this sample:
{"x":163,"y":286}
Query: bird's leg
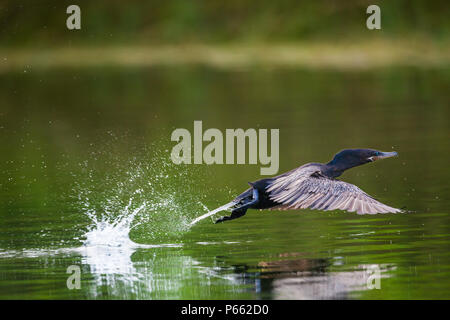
{"x":240,"y":211}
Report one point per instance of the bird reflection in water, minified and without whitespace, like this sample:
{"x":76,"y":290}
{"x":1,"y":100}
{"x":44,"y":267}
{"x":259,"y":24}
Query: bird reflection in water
{"x":291,"y":277}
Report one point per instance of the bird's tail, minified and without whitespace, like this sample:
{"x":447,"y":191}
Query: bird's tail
{"x":206,"y":215}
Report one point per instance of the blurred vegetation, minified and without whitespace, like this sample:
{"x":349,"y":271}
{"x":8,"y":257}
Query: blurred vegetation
{"x":43,"y":22}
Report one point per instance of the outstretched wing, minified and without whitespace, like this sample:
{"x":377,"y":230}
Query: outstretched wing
{"x":307,"y":188}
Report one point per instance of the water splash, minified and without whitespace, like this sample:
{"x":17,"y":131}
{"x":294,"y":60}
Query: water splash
{"x":138,"y":197}
{"x":145,"y":195}
{"x":112,"y":234}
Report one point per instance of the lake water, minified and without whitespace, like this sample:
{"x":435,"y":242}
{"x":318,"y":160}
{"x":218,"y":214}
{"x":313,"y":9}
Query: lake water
{"x":86,"y":180}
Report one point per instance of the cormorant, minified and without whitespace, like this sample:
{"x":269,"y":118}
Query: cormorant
{"x":313,"y":186}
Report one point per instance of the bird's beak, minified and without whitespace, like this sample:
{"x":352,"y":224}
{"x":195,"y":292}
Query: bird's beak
{"x":384,"y":155}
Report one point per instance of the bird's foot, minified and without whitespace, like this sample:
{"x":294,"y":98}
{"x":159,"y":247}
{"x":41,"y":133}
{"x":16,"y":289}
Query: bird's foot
{"x":222,"y":219}
{"x":236,"y":213}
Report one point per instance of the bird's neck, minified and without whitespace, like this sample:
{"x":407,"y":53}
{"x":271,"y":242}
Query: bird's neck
{"x":334,"y":169}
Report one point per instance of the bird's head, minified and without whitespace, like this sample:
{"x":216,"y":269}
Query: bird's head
{"x":349,"y":158}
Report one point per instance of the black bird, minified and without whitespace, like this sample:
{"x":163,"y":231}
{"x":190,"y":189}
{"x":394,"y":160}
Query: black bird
{"x":313,"y":186}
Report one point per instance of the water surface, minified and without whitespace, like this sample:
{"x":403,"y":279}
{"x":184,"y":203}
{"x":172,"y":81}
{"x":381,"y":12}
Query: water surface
{"x":86,"y":179}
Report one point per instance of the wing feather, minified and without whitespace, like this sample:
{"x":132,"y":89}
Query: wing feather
{"x":308,"y":188}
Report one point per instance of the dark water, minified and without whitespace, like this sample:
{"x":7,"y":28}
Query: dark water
{"x":86,"y":180}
